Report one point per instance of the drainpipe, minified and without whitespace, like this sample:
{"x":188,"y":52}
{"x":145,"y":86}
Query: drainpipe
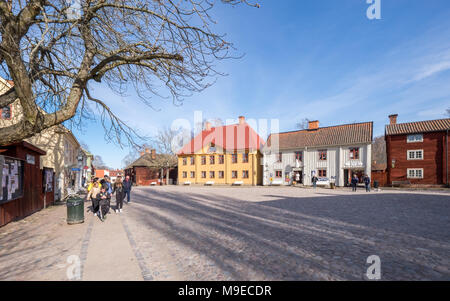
{"x":446,"y":157}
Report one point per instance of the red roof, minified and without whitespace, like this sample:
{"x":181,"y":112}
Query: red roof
{"x":418,"y":127}
{"x":345,"y":134}
{"x":229,"y":138}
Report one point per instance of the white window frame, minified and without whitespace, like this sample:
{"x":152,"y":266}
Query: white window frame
{"x":415,"y":173}
{"x":414,"y":138}
{"x":414,"y":151}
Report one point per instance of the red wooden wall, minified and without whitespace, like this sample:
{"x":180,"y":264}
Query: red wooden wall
{"x":434,"y":162}
{"x":33,"y":196}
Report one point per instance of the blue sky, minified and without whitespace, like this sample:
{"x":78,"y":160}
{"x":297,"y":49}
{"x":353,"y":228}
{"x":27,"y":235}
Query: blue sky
{"x":316,"y":59}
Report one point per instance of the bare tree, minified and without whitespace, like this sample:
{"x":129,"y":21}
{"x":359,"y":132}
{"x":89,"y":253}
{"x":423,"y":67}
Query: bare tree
{"x":303,"y":124}
{"x":98,"y":163}
{"x":134,"y":154}
{"x":379,"y":150}
{"x":166,"y":145}
{"x":53,"y":50}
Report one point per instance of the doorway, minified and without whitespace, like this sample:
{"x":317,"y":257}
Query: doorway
{"x":298,"y":177}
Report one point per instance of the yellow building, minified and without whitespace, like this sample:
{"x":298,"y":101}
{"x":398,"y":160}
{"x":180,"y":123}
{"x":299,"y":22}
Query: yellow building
{"x":225,"y":155}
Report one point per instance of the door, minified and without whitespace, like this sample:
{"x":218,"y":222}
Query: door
{"x":346,"y":178}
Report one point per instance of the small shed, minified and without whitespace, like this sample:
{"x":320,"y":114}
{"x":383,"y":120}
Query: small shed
{"x":21,"y":182}
{"x":152,"y":168}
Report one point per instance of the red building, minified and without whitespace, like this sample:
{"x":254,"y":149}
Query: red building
{"x":153,"y":169}
{"x":418,"y":152}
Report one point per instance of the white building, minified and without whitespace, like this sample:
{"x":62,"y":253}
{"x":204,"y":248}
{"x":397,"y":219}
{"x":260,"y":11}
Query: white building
{"x":333,"y":154}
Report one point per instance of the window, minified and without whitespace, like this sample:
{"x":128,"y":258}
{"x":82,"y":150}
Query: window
{"x":354,"y":153}
{"x":203,"y":160}
{"x":279,"y":157}
{"x":322,"y":173}
{"x":192,"y":160}
{"x":212,"y":160}
{"x":278,"y":173}
{"x":234,"y":158}
{"x":415,"y":154}
{"x":245,"y":158}
{"x":322,"y":155}
{"x":245,"y":174}
{"x":234,"y":174}
{"x":184,"y":174}
{"x":192,"y":174}
{"x":5,"y":112}
{"x":221,"y":159}
{"x":221,"y":174}
{"x":203,"y":174}
{"x":299,"y":156}
{"x":184,"y":161}
{"x":416,"y":173}
{"x":212,"y":174}
{"x":415,"y":138}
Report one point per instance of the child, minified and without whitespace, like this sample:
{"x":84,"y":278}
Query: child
{"x":102,"y":200}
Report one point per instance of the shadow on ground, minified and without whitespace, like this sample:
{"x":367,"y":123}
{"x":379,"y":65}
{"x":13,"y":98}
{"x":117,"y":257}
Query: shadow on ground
{"x":307,"y":238}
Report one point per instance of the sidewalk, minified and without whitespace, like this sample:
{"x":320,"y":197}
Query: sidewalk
{"x":38,"y":247}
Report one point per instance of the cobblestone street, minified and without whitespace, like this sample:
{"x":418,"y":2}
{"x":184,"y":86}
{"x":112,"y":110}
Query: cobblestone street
{"x":247,"y":233}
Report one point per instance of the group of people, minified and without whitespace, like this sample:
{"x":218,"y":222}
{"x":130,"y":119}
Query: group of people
{"x":354,"y":182}
{"x":101,"y":191}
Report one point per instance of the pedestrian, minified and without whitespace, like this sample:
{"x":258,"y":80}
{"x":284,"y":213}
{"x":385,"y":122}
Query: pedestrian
{"x":120,"y":193}
{"x":92,"y":195}
{"x":367,"y":183}
{"x":103,"y":201}
{"x":127,"y":187}
{"x":92,"y":184}
{"x":314,"y":181}
{"x":355,"y":181}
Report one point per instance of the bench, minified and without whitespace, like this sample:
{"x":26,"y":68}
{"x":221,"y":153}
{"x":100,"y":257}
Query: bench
{"x":209,"y":183}
{"x":187,"y":183}
{"x":277,"y":183}
{"x":238,"y":183}
{"x":400,"y":183}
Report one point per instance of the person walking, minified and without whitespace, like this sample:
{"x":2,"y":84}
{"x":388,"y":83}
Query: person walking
{"x":92,"y":195}
{"x":355,"y":181}
{"x":127,"y":187}
{"x":367,"y":183}
{"x":120,"y":193}
{"x":314,"y":181}
{"x":103,"y":201}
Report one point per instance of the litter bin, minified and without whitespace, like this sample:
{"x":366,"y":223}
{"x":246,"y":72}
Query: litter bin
{"x":376,"y":184}
{"x":75,"y":211}
{"x":332,"y":185}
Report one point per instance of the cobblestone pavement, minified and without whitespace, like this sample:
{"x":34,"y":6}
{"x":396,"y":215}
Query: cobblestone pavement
{"x":240,"y":233}
{"x":261,"y":233}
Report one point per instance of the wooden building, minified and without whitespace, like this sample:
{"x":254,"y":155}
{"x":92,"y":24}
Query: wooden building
{"x":153,"y":169}
{"x":28,"y":193}
{"x":418,"y":152}
{"x":333,"y":154}
{"x":224,"y":155}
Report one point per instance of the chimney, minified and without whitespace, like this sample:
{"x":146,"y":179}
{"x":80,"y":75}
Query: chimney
{"x":241,"y":119}
{"x":313,"y":125}
{"x":393,"y":118}
{"x":208,"y":126}
{"x":153,"y":154}
{"x":147,"y":151}
{"x":142,"y":153}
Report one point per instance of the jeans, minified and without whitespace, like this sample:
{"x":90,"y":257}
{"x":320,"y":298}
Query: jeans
{"x":314,"y":185}
{"x":353,"y":187}
{"x":367,"y":187}
{"x":128,"y":192}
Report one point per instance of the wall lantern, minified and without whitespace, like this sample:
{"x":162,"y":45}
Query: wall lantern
{"x":393,"y":163}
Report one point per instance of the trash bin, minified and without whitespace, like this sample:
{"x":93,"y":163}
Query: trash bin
{"x":332,"y":185}
{"x":75,"y":211}
{"x":376,"y":184}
